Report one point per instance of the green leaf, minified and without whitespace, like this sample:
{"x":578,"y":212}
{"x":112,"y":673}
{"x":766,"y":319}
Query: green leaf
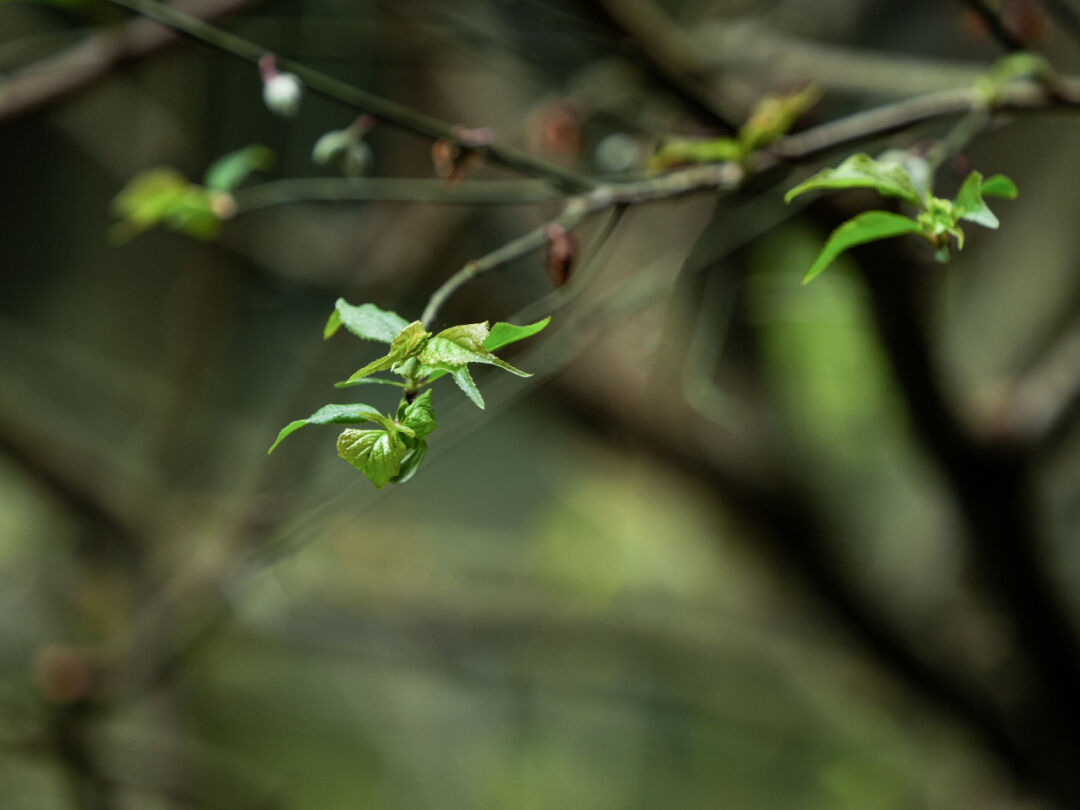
{"x":503,"y":334}
{"x":376,"y":453}
{"x":408,"y":343}
{"x":969,"y":203}
{"x":862,"y":171}
{"x":999,"y":185}
{"x":866,"y":227}
{"x":411,"y":463}
{"x":452,"y":348}
{"x":353,"y":414}
{"x":366,"y":321}
{"x":163,"y":196}
{"x":419,"y":415}
{"x":774,"y":115}
{"x":679,"y":151}
{"x":465,"y":382}
{"x":227,"y":172}
{"x":369,"y":381}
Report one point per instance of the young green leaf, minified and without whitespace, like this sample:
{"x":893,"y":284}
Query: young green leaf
{"x":503,"y":334}
{"x":969,"y":203}
{"x":411,"y":463}
{"x":227,"y":172}
{"x":408,"y":343}
{"x":366,"y":321}
{"x":419,"y":415}
{"x":773,"y":116}
{"x":454,"y":347}
{"x":679,"y":151}
{"x":999,"y":185}
{"x":369,"y":381}
{"x":866,"y":227}
{"x":465,"y":382}
{"x":862,"y":171}
{"x":354,"y":414}
{"x":376,"y":453}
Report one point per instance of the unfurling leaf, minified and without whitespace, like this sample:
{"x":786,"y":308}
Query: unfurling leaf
{"x":866,"y":227}
{"x":774,"y":115}
{"x":503,"y":334}
{"x":376,"y":453}
{"x":354,"y":414}
{"x":419,"y":415}
{"x":465,"y":382}
{"x":862,"y":171}
{"x":408,"y":343}
{"x":411,"y":463}
{"x":229,"y":171}
{"x":366,"y":321}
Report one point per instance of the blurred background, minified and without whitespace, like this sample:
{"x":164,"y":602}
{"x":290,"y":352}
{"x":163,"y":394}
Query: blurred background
{"x":704,"y":557}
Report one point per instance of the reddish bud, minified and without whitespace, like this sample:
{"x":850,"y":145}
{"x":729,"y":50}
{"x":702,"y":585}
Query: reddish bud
{"x":561,"y":252}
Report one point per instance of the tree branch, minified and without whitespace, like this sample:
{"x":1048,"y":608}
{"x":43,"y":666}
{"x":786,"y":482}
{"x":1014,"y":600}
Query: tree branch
{"x":390,"y":111}
{"x":393,"y":189}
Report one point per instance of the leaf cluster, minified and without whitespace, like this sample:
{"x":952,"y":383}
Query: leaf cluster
{"x":936,"y":219}
{"x":392,"y":452}
{"x":771,"y":117}
{"x":163,"y":196}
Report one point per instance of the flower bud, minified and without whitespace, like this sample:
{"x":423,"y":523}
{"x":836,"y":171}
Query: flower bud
{"x":282,"y":93}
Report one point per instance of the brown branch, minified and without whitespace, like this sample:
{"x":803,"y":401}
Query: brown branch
{"x":992,"y":487}
{"x":668,"y":56}
{"x":992,"y":20}
{"x":90,"y":61}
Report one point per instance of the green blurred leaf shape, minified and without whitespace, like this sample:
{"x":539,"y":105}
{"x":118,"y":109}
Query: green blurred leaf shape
{"x":332,"y":145}
{"x":938,"y":219}
{"x":366,"y":321}
{"x":378,"y":454}
{"x":163,"y":196}
{"x":771,"y":117}
{"x":869,"y":226}
{"x":1019,"y":65}
{"x":453,"y":348}
{"x":862,"y":171}
{"x":999,"y":185}
{"x":353,"y":414}
{"x":679,"y":151}
{"x":503,"y":334}
{"x":229,"y":171}
{"x":774,"y":115}
{"x":405,"y":345}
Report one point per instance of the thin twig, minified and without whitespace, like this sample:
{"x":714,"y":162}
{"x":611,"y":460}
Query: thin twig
{"x":389,"y":111}
{"x":723,"y":177}
{"x":393,"y":189}
{"x":993,"y":22}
